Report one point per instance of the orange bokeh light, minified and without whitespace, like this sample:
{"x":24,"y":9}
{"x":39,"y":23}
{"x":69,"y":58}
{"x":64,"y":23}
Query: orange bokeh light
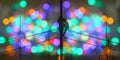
{"x":110,"y":20}
{"x":5,"y":21}
{"x":104,"y":18}
{"x":31,"y":11}
{"x":31,"y":27}
{"x":11,"y":19}
{"x":65,"y":44}
{"x":9,"y":50}
{"x":82,"y":26}
{"x":59,"y":57}
{"x":82,"y":9}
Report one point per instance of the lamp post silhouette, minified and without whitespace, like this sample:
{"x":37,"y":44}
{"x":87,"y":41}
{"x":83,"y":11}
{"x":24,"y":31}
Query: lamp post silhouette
{"x":63,"y":27}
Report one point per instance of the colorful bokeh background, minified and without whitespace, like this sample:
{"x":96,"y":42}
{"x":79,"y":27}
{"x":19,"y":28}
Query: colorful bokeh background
{"x":34,"y":32}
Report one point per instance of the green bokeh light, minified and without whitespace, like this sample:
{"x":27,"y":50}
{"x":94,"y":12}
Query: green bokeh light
{"x":17,"y":21}
{"x":49,"y":48}
{"x":104,"y":42}
{"x":38,"y":22}
{"x":36,"y":49}
{"x":54,"y":29}
{"x":118,"y":29}
{"x":23,"y":4}
{"x":15,"y":6}
{"x":39,"y":49}
{"x":79,"y":51}
{"x":44,"y":24}
{"x":91,"y":2}
{"x":2,"y":40}
{"x":74,"y":50}
{"x":28,"y":20}
{"x":115,"y":41}
{"x":85,"y":19}
{"x":9,"y":29}
{"x":74,"y":21}
{"x":106,"y":29}
{"x":46,"y":28}
{"x":99,"y":4}
{"x":11,"y":40}
{"x":58,"y":51}
{"x":76,"y":29}
{"x":37,"y":29}
{"x":97,"y":21}
{"x":69,"y":22}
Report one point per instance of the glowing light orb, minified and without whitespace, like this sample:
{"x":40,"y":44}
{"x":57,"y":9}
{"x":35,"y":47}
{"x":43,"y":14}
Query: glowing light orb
{"x":79,"y":51}
{"x":84,"y":37}
{"x":29,"y":36}
{"x":59,"y":53}
{"x":2,"y":40}
{"x":9,"y":29}
{"x":66,"y":4}
{"x":55,"y":42}
{"x":49,"y":48}
{"x":11,"y":40}
{"x":104,"y":18}
{"x":36,"y":49}
{"x":23,"y":4}
{"x":85,"y":19}
{"x":115,"y":41}
{"x":46,"y":6}
{"x":91,"y":2}
{"x":11,"y":19}
{"x":10,"y":50}
{"x":110,"y":21}
{"x":118,"y":29}
{"x":83,"y":10}
{"x":5,"y":21}
{"x":104,"y":42}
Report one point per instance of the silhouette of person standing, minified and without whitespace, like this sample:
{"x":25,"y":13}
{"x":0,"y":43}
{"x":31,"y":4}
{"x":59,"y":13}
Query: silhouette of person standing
{"x":63,"y":26}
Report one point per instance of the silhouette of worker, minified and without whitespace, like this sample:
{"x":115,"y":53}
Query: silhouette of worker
{"x":63,"y":26}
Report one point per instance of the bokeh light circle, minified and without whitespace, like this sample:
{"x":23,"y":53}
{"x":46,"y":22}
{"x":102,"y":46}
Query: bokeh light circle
{"x":2,"y":40}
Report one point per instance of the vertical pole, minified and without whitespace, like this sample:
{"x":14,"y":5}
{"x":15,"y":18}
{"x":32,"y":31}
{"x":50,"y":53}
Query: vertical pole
{"x":61,"y":8}
{"x":61,"y":33}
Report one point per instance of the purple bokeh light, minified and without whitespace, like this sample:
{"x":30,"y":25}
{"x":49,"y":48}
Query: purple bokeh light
{"x":46,"y":6}
{"x":66,"y":4}
{"x":56,"y":42}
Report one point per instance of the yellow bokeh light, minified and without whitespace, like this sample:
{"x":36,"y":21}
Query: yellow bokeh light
{"x":11,"y":19}
{"x":29,"y":36}
{"x":104,"y":18}
{"x":110,"y":20}
{"x":5,"y":21}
